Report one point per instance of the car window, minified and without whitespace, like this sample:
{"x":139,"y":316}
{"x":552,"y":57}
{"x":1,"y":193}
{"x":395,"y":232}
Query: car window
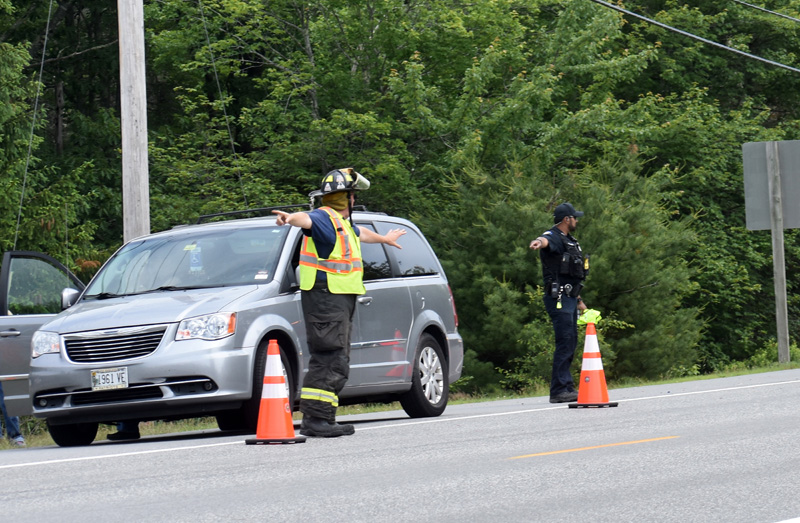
{"x":196,"y":259}
{"x":415,"y":258}
{"x":376,"y":264}
{"x":34,"y":287}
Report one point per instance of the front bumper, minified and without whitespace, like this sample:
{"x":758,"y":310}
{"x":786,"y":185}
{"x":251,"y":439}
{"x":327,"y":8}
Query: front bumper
{"x":180,"y":379}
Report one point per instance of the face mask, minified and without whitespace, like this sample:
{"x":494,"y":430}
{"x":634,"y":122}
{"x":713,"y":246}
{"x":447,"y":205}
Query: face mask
{"x":337,"y":200}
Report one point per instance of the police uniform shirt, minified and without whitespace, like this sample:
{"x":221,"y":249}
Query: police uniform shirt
{"x":557,"y":245}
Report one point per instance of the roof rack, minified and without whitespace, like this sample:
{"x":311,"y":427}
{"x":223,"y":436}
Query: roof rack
{"x":261,"y":211}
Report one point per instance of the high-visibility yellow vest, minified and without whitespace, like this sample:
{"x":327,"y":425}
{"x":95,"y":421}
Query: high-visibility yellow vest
{"x":344,"y":266}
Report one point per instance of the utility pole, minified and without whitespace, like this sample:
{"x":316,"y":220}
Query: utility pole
{"x":133,"y":116}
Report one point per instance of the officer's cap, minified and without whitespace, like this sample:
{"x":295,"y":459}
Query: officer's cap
{"x":564,"y":210}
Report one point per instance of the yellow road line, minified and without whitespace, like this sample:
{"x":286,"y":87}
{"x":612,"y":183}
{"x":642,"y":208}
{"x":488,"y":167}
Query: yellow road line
{"x":594,"y":447}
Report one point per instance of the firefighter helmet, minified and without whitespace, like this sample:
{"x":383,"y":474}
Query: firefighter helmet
{"x":339,"y":180}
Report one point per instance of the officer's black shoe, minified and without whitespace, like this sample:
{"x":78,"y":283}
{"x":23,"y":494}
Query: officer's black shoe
{"x":123,"y":435}
{"x":320,"y":428}
{"x":565,"y":397}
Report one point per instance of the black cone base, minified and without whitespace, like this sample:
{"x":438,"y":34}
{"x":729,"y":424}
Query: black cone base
{"x":275,"y":441}
{"x":592,"y":405}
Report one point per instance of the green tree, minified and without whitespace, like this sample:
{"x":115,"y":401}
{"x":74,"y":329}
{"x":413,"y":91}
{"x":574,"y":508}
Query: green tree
{"x":474,"y":118}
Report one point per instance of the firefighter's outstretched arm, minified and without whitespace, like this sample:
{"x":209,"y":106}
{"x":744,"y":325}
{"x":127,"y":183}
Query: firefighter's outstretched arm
{"x":298,"y":219}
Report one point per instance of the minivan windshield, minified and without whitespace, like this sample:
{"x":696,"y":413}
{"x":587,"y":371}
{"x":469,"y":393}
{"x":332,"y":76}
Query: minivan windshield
{"x":192,"y":260}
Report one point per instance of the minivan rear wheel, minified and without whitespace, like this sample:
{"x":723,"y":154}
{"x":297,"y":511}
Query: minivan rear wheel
{"x":246,"y":417}
{"x":73,"y":434}
{"x":429,"y":386}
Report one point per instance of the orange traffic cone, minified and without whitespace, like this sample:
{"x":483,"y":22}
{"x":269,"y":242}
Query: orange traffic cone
{"x":592,"y":391}
{"x":275,"y":414}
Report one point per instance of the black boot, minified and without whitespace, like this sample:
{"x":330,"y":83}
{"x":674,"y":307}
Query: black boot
{"x":320,"y":428}
{"x":347,"y":429}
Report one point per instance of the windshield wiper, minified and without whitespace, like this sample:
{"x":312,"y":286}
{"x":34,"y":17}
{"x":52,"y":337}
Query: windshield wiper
{"x":104,"y":295}
{"x":163,"y":288}
{"x":178,"y":288}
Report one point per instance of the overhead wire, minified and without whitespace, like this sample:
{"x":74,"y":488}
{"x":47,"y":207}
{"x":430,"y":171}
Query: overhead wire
{"x":222,"y":100}
{"x":694,"y":36}
{"x":33,"y":126}
{"x":36,"y":109}
{"x":767,"y":10}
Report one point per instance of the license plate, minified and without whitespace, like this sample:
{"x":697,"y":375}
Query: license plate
{"x":105,"y":379}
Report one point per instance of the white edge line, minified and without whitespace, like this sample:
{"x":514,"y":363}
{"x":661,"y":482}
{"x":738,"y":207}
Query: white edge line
{"x":121,"y":454}
{"x":670,"y":395}
{"x":393,"y":425}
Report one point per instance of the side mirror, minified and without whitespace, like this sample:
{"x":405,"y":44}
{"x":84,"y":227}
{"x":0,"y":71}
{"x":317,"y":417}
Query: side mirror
{"x":296,"y":282}
{"x":69,"y":297}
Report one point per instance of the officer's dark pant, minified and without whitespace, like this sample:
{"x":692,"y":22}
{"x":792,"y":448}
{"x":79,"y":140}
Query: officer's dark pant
{"x":565,"y":325}
{"x":329,"y":319}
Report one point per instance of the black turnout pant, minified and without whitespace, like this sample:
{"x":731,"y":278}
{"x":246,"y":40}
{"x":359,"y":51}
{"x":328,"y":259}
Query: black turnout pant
{"x":329,"y":320}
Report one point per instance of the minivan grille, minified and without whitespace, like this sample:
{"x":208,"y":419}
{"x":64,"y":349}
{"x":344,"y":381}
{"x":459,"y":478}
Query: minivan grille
{"x":120,"y":345}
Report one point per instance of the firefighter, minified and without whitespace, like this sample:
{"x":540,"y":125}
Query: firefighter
{"x":331,"y":276}
{"x":564,"y":269}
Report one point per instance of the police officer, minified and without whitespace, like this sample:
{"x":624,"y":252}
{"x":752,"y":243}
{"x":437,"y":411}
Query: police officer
{"x":331,"y":276}
{"x":564,"y":269}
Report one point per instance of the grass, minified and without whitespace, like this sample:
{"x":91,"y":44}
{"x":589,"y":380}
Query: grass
{"x":41,"y":438}
{"x":36,"y":435}
{"x":35,"y":432}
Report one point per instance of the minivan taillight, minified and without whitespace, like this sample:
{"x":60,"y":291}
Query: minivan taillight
{"x":453,"y":302}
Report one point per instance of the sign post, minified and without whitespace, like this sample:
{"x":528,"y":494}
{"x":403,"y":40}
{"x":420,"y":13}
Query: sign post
{"x":771,"y":179}
{"x":778,"y":258}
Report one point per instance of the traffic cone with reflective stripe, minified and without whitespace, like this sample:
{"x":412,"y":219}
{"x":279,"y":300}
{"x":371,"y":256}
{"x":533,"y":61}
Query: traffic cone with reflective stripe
{"x":592,"y":390}
{"x":275,"y":413}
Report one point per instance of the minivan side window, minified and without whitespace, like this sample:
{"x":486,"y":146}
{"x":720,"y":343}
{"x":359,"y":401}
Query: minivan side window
{"x":376,"y":264}
{"x":34,"y":286}
{"x":415,"y":258}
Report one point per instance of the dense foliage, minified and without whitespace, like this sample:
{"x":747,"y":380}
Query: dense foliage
{"x":475,"y":119}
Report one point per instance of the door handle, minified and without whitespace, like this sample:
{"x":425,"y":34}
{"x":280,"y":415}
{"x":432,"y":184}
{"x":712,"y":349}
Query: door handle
{"x":10,"y":333}
{"x":366,"y":300}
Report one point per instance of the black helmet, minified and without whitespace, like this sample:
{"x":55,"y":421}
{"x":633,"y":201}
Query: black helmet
{"x":339,"y":180}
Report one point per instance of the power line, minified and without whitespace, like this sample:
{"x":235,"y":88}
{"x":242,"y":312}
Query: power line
{"x":766,"y":10}
{"x":33,"y":125}
{"x":690,"y":35}
{"x":222,"y":100}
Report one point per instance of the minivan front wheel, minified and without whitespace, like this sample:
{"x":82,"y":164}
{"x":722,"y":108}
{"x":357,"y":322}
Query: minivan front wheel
{"x":429,"y":386}
{"x":73,"y":434}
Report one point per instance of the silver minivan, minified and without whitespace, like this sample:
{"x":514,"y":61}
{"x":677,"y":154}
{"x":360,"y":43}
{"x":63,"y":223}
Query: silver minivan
{"x":176,"y":325}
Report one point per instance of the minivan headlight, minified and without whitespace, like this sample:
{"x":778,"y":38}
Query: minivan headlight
{"x":208,"y":327}
{"x":44,"y":342}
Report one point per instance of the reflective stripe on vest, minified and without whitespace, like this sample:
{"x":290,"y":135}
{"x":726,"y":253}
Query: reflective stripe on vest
{"x":319,"y":395}
{"x":344,"y":266}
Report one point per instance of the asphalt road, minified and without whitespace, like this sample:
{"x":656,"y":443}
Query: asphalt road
{"x":724,"y":450}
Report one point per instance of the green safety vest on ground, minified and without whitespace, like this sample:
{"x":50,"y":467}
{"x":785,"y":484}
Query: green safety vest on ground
{"x":344,"y":266}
